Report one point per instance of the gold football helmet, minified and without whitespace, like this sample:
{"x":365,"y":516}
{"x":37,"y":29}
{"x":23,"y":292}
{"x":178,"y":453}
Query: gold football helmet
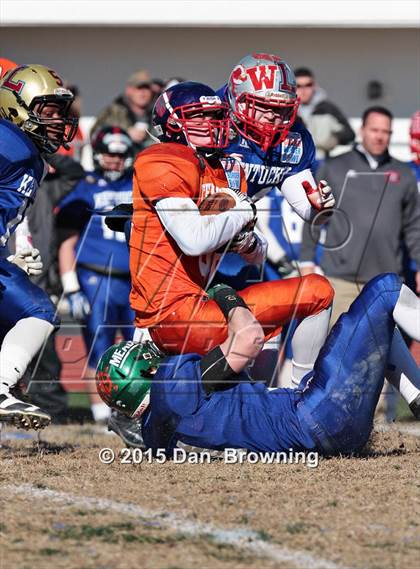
{"x":34,"y":98}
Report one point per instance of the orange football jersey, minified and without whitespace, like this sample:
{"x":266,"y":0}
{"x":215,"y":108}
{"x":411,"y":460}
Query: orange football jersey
{"x":6,"y":65}
{"x":162,"y":275}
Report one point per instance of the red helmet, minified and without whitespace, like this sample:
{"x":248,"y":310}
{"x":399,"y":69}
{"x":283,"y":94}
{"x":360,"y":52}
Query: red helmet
{"x":263,"y":100}
{"x":415,"y":136}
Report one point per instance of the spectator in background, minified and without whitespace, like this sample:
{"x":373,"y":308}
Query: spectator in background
{"x":131,"y":111}
{"x":157,"y":85}
{"x":324,"y":120}
{"x":378,"y":211}
{"x":376,"y":223}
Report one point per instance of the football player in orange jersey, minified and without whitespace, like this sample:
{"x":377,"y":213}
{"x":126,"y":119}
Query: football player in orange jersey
{"x":174,"y":251}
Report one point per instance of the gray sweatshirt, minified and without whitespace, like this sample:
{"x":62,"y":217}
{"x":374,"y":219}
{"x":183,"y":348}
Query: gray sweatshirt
{"x":378,"y":213}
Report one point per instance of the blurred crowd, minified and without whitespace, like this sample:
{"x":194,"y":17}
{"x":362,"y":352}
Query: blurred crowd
{"x":92,"y":286}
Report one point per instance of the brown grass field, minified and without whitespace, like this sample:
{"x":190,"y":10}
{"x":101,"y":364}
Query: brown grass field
{"x":62,"y":508}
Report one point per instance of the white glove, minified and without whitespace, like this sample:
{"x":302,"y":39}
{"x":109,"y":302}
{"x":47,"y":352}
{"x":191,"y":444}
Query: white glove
{"x":29,"y":260}
{"x":252,"y":246}
{"x":78,"y":303}
{"x":320,"y":197}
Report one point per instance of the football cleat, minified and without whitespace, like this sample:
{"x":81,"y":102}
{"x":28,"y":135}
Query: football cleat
{"x":415,"y":407}
{"x":129,"y":430}
{"x":22,"y":415}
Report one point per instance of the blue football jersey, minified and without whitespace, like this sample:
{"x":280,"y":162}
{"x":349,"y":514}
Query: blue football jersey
{"x":97,"y":245}
{"x":265,"y":170}
{"x":21,"y":171}
{"x":248,"y":415}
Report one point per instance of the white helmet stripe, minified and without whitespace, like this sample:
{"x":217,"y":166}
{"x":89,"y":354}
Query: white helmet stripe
{"x":169,"y":107}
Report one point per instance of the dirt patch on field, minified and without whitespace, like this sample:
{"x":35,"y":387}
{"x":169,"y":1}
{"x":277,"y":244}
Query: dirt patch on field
{"x":359,"y":512}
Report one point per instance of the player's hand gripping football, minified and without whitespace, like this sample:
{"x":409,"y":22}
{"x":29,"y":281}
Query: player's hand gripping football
{"x":245,"y":203}
{"x":29,"y":260}
{"x":243,"y":242}
{"x":321,"y":197}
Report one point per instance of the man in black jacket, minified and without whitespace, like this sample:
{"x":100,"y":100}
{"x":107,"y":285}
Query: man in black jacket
{"x":378,"y":211}
{"x":324,"y":120}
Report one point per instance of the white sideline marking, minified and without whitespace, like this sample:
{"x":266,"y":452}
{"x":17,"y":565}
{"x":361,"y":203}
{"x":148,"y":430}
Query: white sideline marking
{"x":241,"y":538}
{"x":406,"y":429}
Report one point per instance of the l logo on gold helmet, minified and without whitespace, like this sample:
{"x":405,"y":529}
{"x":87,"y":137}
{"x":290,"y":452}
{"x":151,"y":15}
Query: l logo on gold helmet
{"x":33,"y":97}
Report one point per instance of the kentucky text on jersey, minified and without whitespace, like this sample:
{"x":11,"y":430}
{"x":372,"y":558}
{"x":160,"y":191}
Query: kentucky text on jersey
{"x":21,"y":171}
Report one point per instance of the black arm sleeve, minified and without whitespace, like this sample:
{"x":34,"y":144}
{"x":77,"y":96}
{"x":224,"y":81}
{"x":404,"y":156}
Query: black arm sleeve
{"x":216,"y":373}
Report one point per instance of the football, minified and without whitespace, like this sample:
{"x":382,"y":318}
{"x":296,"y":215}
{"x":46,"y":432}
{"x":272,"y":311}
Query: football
{"x":217,"y":203}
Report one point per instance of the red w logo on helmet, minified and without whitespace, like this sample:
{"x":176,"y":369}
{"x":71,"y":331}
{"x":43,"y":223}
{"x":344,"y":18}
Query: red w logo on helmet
{"x":262,"y":76}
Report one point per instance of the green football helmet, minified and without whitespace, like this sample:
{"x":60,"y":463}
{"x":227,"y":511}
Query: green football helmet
{"x":124,"y":373}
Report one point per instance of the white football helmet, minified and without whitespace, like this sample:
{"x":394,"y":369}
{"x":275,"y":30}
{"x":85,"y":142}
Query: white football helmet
{"x":263,"y":100}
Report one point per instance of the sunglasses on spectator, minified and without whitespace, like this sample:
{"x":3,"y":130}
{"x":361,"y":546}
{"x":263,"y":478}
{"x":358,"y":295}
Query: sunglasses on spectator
{"x":304,"y":85}
{"x":143,"y":86}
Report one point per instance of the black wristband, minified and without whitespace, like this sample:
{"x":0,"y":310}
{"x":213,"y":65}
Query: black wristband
{"x":216,"y":373}
{"x":227,"y":298}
